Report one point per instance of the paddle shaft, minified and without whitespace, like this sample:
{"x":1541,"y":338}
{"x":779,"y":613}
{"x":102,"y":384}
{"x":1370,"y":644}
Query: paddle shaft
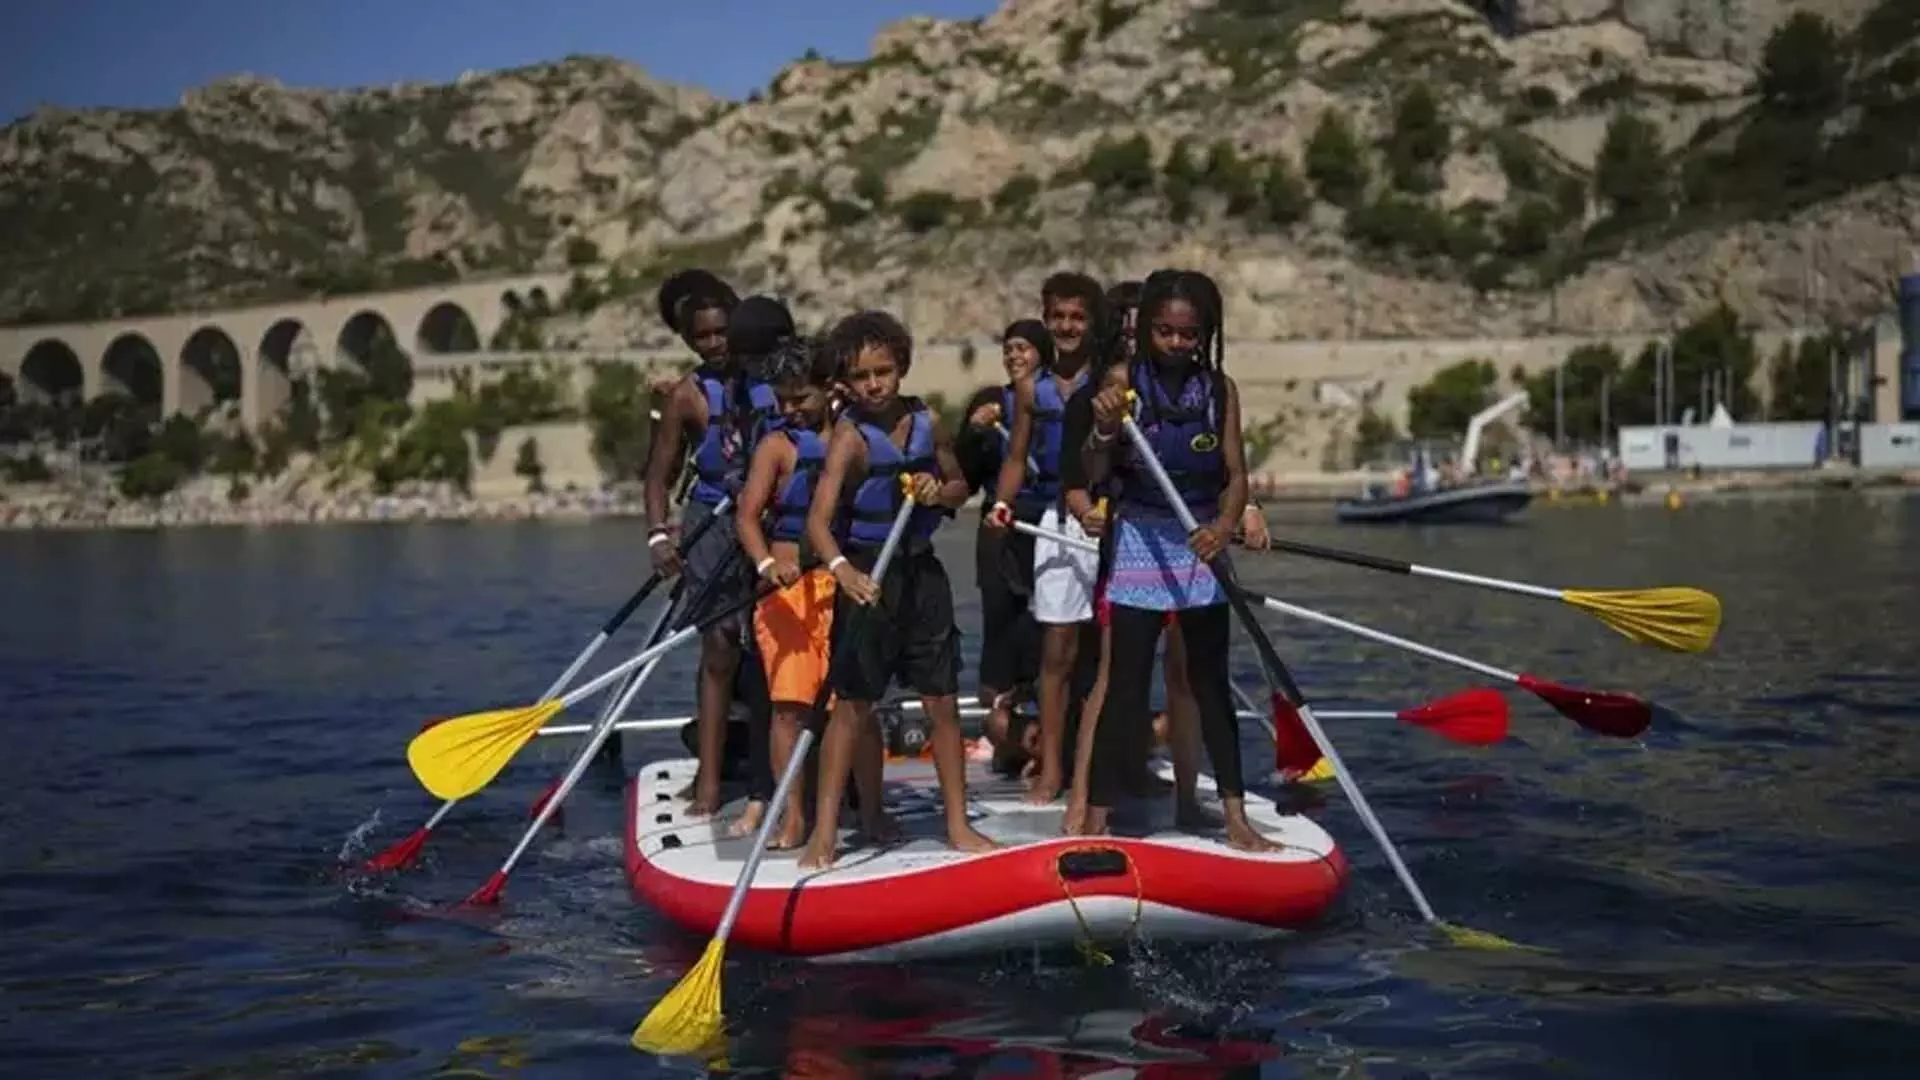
{"x":1400,"y":566}
{"x":776,"y":808}
{"x":967,"y":712}
{"x":593,"y":647}
{"x":1033,"y":467}
{"x":1384,"y":638}
{"x":619,"y":617}
{"x":577,"y":768}
{"x":1277,"y":671}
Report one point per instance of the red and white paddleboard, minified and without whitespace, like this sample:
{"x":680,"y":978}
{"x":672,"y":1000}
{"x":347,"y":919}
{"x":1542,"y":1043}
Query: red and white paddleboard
{"x":918,"y":898}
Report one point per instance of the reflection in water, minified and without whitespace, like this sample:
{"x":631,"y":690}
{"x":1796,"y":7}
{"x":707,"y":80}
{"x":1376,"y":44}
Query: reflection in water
{"x":196,"y":721}
{"x":891,"y":1023}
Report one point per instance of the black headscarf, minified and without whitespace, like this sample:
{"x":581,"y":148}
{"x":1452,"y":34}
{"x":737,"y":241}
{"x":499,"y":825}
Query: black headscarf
{"x":1033,"y":332}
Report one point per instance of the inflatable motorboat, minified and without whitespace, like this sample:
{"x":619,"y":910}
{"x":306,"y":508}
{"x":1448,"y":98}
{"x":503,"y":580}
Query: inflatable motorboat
{"x":917,"y":898}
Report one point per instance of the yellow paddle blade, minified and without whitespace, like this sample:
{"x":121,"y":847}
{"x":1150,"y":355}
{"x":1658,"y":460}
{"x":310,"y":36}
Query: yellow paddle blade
{"x":1469,"y":938}
{"x":1682,"y":620}
{"x":456,"y":758}
{"x":688,"y":1019}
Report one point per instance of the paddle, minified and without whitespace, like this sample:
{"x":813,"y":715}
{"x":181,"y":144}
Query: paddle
{"x":607,"y":715}
{"x":1672,"y":618}
{"x":607,"y":712}
{"x":457,"y":757}
{"x":402,"y":853}
{"x":1473,"y":717}
{"x":489,"y":894}
{"x":1278,"y":674}
{"x":689,"y":1017}
{"x":1622,"y":716}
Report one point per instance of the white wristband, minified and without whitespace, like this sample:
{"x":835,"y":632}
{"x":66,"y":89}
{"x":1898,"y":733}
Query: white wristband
{"x":656,"y":539}
{"x":761,"y":566}
{"x":834,"y":563}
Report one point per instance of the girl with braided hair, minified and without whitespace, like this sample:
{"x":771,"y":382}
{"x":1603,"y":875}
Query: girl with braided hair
{"x":1190,"y":415}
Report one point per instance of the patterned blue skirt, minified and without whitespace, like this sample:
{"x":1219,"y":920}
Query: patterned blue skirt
{"x":1154,"y":569}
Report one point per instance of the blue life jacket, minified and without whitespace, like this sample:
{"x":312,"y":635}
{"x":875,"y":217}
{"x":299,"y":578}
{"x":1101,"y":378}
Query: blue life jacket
{"x":1041,"y":488}
{"x":1185,"y":435}
{"x":791,"y":502}
{"x":877,"y":499}
{"x":738,"y":414}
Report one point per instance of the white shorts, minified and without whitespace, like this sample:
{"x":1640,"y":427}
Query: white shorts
{"x":1063,"y":576}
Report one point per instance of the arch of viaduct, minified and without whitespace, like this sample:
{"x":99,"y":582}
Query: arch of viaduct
{"x":250,"y":355}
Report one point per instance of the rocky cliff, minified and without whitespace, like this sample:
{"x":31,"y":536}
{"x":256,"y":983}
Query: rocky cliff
{"x":1366,"y":167}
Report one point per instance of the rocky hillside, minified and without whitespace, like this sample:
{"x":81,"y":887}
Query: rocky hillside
{"x":1366,"y":167}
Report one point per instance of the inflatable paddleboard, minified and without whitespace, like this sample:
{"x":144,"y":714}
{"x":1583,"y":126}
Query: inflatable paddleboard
{"x":917,"y":898}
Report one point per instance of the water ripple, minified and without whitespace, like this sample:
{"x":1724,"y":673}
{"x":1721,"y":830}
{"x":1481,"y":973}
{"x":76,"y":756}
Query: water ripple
{"x":203,"y":725}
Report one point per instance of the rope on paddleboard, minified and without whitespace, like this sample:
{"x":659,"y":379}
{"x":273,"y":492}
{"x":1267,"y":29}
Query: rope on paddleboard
{"x":1086,"y":944}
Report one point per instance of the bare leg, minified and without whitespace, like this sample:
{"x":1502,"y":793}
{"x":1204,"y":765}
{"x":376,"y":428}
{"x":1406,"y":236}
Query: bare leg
{"x":950,"y":765}
{"x":1058,"y":646}
{"x":787,"y":720}
{"x":869,"y":779}
{"x":1074,"y":824}
{"x":836,"y":761}
{"x":719,"y":658}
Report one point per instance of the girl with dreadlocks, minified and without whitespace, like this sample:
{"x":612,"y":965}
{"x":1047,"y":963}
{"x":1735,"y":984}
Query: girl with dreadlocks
{"x":705,"y":411}
{"x":1190,"y":414}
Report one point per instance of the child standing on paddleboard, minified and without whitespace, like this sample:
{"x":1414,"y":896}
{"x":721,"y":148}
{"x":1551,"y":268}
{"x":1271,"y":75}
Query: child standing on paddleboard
{"x":792,"y":626}
{"x":1189,"y":411}
{"x":1030,"y":490}
{"x":705,"y":410}
{"x":903,"y":628}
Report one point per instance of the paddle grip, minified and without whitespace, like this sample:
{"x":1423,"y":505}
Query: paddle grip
{"x":1351,"y":558}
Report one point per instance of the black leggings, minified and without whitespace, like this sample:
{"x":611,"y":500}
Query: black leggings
{"x":1125,"y":718}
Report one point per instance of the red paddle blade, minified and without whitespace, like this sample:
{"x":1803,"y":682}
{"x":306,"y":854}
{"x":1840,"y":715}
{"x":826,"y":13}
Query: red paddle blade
{"x":489,"y":894}
{"x":1476,"y":717}
{"x":1294,"y":751}
{"x":1622,"y":716}
{"x":399,"y":856}
{"x":546,"y":797}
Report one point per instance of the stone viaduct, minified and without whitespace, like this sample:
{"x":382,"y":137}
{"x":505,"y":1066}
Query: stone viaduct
{"x":185,"y":362}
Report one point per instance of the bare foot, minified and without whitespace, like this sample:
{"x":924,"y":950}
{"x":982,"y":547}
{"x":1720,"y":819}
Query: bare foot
{"x":1189,"y":814}
{"x":792,"y":834}
{"x":749,"y":820}
{"x":1043,"y":788}
{"x":1242,"y":836}
{"x":1075,"y":819}
{"x":964,"y":838}
{"x":880,"y":829}
{"x":819,"y":854}
{"x":1095,"y":823}
{"x":706,"y":799}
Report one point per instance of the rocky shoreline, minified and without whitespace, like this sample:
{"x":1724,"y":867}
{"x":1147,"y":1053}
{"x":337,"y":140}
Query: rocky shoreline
{"x":46,"y":510}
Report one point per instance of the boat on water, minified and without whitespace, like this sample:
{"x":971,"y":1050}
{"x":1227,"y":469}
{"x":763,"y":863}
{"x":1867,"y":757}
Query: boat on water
{"x":916,"y":898}
{"x":1483,"y":503}
{"x":1423,"y":498}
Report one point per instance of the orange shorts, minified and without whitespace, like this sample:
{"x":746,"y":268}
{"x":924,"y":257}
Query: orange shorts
{"x":793,"y":628}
